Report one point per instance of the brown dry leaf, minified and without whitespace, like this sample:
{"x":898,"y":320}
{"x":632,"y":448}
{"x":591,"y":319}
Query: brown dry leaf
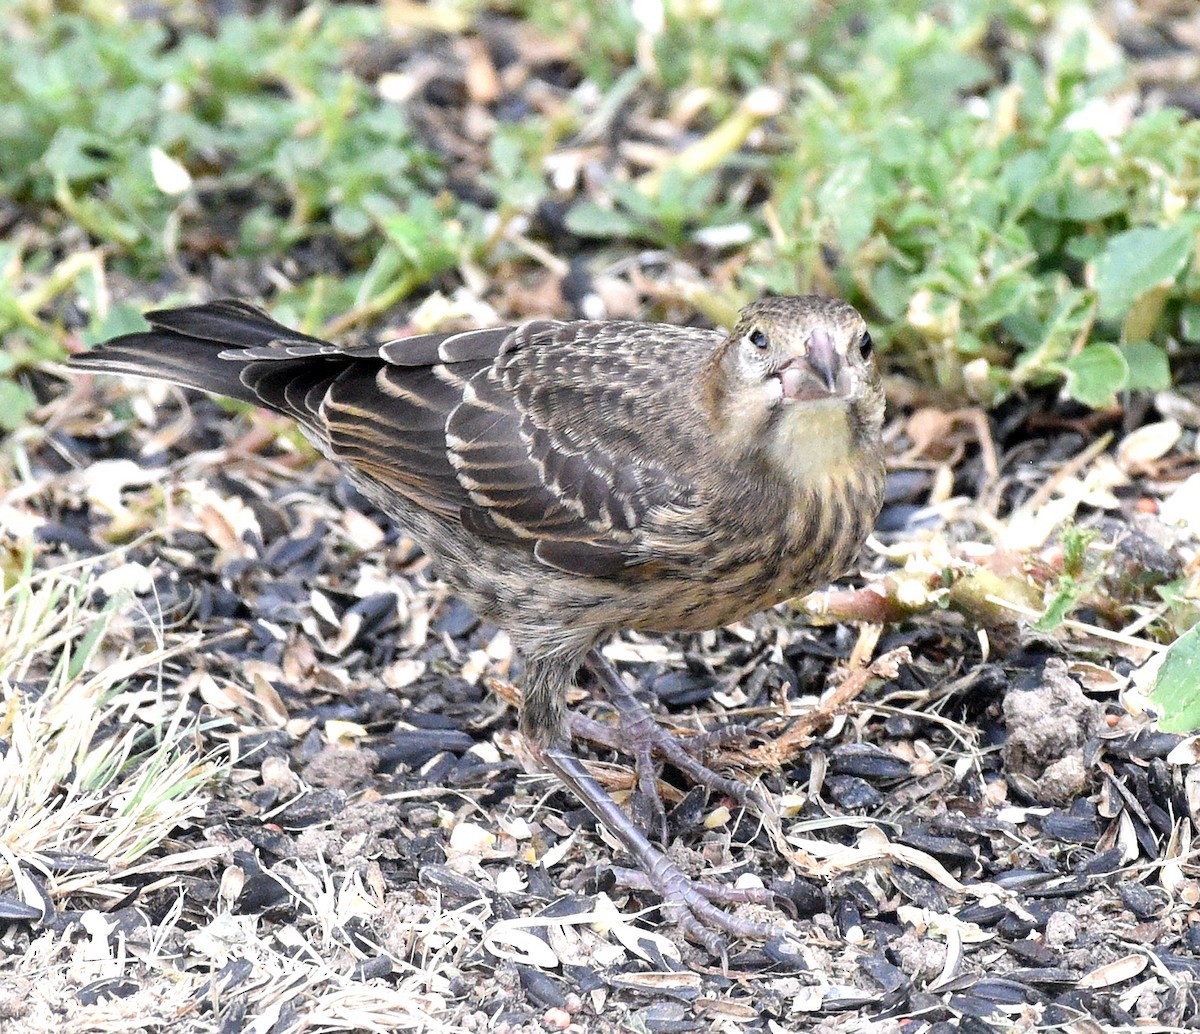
{"x":225,"y":520}
{"x":225,"y":699}
{"x":724,"y":1009}
{"x":1088,"y":477}
{"x":269,"y":703}
{"x":299,"y":659}
{"x":504,"y":691}
{"x":1095,"y":678}
{"x":931,"y":433}
{"x":405,"y":16}
{"x":874,"y":846}
{"x":105,"y":480}
{"x":483,"y":84}
{"x":348,"y":630}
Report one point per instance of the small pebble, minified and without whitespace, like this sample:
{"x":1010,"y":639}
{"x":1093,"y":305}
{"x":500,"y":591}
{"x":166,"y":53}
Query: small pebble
{"x":1061,"y":929}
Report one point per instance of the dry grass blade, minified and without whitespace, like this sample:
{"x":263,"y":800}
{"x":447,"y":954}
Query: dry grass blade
{"x":94,"y":791}
{"x":79,"y":780}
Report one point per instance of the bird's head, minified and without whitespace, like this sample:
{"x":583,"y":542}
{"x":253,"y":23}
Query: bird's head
{"x":796,"y":384}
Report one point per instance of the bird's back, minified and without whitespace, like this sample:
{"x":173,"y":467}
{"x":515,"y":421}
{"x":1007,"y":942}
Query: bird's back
{"x":555,"y":438}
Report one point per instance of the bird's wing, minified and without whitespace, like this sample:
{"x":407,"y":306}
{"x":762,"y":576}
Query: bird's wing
{"x":538,"y":436}
{"x":395,"y":434}
{"x":559,"y":438}
{"x":558,"y":443}
{"x":381,"y":409}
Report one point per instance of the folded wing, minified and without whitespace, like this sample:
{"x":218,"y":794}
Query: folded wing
{"x":534,"y":437}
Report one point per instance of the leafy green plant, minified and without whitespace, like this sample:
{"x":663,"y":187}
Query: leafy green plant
{"x":1176,"y":690}
{"x":667,"y":218}
{"x":1004,"y":242}
{"x":1004,"y":220}
{"x":251,"y":139}
{"x":965,"y":172}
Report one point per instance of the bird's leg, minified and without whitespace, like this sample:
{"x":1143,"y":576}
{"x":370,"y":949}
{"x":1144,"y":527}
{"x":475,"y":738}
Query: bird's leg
{"x":686,"y":902}
{"x":642,"y":737}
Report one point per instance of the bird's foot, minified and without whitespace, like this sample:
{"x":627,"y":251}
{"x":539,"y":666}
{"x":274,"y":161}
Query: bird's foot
{"x":692,"y":905}
{"x":640,"y":736}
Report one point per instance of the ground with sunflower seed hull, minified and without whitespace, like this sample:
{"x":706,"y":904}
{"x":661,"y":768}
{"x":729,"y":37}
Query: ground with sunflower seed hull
{"x":349,"y":820}
{"x":260,"y":771}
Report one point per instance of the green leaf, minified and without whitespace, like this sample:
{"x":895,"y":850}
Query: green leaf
{"x":1063,"y":603}
{"x":120,"y":319}
{"x":350,"y":220}
{"x":1149,"y":368}
{"x":85,"y":646}
{"x":76,"y":154}
{"x":590,"y":220}
{"x":1096,"y":375}
{"x":15,"y":403}
{"x":1023,"y":178}
{"x":1176,"y":691}
{"x":890,"y":291}
{"x":848,"y":197}
{"x":1075,"y":541}
{"x":1071,"y":201}
{"x":1189,"y":322}
{"x":1138,"y":261}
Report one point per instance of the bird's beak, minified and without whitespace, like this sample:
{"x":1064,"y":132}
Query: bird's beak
{"x":816,"y":373}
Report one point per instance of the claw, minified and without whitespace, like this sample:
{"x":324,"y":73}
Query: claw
{"x":692,"y":905}
{"x":643,"y":738}
{"x":686,"y":902}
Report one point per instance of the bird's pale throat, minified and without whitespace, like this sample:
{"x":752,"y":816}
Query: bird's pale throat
{"x":811,"y":442}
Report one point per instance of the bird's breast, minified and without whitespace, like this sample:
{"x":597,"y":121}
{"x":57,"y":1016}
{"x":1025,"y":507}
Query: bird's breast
{"x":762,"y":543}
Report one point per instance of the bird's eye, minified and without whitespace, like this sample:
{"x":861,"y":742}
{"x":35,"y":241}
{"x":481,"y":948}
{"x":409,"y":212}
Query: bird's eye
{"x":866,"y":345}
{"x":758,"y":339}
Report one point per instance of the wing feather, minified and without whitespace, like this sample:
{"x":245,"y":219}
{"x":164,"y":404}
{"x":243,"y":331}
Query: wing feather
{"x":534,"y":436}
{"x":549,"y":443}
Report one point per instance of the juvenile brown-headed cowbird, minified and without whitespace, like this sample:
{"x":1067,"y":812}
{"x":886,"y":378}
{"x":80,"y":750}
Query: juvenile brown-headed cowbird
{"x":572,"y":479}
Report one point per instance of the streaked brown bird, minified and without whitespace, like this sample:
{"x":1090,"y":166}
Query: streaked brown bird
{"x":572,"y":479}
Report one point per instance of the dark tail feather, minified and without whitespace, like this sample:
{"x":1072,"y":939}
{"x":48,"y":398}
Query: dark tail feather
{"x":185,"y":345}
{"x":229,"y":322}
{"x":163,"y":356}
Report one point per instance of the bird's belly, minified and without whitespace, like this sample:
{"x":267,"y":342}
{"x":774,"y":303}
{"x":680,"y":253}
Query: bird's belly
{"x":721,"y":597}
{"x":727,"y":577}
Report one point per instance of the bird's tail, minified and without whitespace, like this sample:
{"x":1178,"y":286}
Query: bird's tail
{"x":184,"y":346}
